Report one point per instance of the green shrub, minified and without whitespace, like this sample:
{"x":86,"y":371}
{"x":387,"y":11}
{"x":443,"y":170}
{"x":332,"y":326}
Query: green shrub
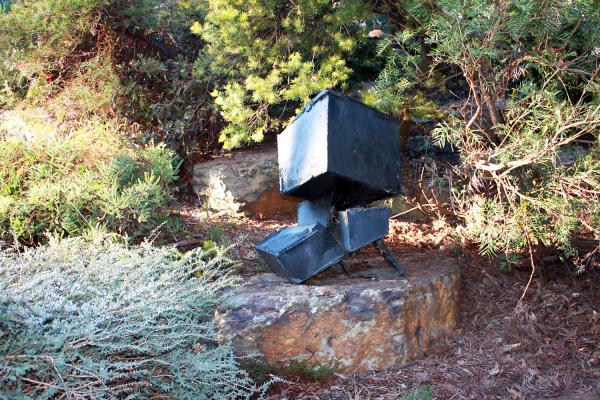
{"x":40,"y":40}
{"x":160,"y":91}
{"x":71,"y":151}
{"x":528,"y":128}
{"x":94,"y":90}
{"x":126,"y":61}
{"x":95,"y":319}
{"x":67,"y":186}
{"x":267,"y":58}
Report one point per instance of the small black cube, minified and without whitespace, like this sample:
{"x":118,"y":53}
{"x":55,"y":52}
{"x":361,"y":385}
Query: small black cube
{"x":301,"y":251}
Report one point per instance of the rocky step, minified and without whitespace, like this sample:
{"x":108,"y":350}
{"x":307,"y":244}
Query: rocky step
{"x":369,"y":320}
{"x":248,"y":182}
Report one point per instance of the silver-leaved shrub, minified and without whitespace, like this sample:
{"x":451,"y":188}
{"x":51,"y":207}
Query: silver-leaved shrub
{"x":94,"y":319}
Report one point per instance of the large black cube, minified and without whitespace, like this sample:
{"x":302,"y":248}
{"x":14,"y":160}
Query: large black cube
{"x":341,"y":146}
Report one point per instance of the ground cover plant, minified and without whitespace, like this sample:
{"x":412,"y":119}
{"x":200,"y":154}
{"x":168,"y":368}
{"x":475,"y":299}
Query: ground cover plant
{"x":96,"y":319}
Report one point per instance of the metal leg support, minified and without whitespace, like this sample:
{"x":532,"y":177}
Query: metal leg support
{"x":341,"y":263}
{"x":389,"y":257}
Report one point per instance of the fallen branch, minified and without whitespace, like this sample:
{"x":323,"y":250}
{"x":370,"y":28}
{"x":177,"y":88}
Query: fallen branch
{"x":189,"y":244}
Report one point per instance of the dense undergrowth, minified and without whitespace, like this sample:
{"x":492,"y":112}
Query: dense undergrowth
{"x":78,"y":149}
{"x":96,"y":319}
{"x":513,"y":87}
{"x":527,"y":132}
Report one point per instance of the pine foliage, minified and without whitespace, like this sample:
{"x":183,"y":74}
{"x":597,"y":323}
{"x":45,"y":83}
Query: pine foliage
{"x":402,"y":82}
{"x":269,"y":58}
{"x":528,"y":130}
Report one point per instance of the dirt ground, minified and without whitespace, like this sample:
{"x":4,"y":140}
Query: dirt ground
{"x":547,"y":346}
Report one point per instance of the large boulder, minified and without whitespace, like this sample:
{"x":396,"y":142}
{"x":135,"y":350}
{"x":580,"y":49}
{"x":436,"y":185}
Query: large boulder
{"x":372,"y":319}
{"x":243,"y":182}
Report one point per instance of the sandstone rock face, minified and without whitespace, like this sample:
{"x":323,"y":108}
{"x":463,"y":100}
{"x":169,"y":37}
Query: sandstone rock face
{"x":28,"y":125}
{"x":243,"y":182}
{"x":372,"y":319}
{"x":418,"y":196}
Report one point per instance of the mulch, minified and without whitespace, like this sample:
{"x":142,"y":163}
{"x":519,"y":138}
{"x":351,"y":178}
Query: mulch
{"x":547,"y":346}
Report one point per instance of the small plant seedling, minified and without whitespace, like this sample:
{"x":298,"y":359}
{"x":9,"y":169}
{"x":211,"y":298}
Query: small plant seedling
{"x":420,"y":393}
{"x":261,"y":372}
{"x":317,"y":372}
{"x":216,"y":233}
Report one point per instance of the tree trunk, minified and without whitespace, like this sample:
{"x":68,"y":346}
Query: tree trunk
{"x":489,"y":100}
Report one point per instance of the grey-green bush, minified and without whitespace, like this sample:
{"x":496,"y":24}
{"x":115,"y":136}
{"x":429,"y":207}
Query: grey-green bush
{"x":94,"y":319}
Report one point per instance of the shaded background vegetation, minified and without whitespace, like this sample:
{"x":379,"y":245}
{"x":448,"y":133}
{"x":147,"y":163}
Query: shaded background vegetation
{"x":123,"y":96}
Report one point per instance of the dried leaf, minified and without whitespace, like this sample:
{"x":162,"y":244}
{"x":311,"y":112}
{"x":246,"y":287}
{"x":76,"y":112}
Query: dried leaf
{"x":376,"y":33}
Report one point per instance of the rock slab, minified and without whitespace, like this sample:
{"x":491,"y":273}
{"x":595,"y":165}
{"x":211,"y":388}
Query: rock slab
{"x":370,"y":320}
{"x":243,"y":182}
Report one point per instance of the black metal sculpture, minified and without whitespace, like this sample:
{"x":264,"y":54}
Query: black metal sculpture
{"x":339,"y":155}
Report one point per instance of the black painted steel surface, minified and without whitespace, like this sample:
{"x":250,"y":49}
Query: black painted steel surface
{"x":342,"y":147}
{"x":362,"y":226}
{"x":301,"y":251}
{"x":337,"y":154}
{"x":313,"y":211}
